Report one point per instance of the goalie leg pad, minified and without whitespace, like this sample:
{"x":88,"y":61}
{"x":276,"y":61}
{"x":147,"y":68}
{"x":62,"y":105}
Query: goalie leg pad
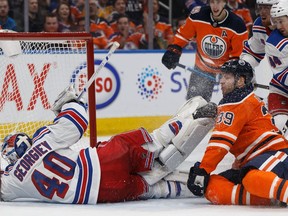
{"x":185,"y":142}
{"x":180,"y":148}
{"x":172,"y":127}
{"x":190,"y":106}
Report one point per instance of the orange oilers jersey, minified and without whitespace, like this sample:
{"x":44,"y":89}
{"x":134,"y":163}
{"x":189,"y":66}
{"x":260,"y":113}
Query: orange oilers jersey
{"x":217,"y":42}
{"x":243,"y":128}
{"x":101,"y":31}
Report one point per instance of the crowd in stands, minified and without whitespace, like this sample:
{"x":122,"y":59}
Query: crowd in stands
{"x":124,"y":21}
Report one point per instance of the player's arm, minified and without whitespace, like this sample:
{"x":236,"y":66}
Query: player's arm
{"x":229,"y":124}
{"x":182,"y":37}
{"x":254,"y":49}
{"x":71,"y":119}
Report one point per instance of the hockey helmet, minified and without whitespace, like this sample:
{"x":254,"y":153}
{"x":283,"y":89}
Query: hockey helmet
{"x":239,"y":68}
{"x":279,"y":9}
{"x":15,"y":146}
{"x":267,"y":2}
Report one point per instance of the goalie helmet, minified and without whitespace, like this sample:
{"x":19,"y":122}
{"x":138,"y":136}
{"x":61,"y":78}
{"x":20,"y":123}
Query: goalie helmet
{"x":279,"y":9}
{"x":266,"y":2}
{"x":15,"y":146}
{"x":239,"y":68}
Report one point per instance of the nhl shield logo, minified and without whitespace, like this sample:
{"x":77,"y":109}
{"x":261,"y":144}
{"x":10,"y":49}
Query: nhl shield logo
{"x":213,"y":46}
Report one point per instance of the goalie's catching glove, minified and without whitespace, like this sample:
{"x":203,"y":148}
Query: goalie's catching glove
{"x":68,"y":95}
{"x":197,"y":180}
{"x":171,"y":56}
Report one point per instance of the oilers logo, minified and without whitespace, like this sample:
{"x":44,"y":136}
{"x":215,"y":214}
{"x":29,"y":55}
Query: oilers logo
{"x":213,"y":46}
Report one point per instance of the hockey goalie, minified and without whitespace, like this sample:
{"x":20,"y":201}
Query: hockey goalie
{"x":130,"y":166}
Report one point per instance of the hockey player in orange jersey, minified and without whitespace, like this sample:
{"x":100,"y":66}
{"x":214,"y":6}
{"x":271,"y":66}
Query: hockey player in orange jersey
{"x":220,"y":36}
{"x":246,"y":130}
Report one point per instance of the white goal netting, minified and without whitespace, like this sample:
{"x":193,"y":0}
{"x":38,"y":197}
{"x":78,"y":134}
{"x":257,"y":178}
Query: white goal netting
{"x":33,"y":71}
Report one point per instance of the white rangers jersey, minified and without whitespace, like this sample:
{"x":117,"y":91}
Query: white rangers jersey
{"x":50,"y":170}
{"x":277,"y":55}
{"x":254,"y":48}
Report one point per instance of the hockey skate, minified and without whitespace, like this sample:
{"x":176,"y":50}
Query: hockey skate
{"x":178,"y":137}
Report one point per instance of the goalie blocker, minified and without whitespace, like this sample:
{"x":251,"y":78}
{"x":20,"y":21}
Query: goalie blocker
{"x":178,"y":137}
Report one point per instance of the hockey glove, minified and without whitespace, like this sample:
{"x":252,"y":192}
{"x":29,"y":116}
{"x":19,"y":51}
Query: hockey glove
{"x":171,"y":56}
{"x":207,"y":111}
{"x":68,"y":95}
{"x":197,"y":180}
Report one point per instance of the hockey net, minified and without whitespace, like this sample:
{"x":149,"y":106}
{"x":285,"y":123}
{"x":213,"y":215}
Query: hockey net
{"x":34,"y":69}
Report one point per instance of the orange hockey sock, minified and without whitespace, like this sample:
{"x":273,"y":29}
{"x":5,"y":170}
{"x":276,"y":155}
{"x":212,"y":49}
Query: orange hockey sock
{"x":266,"y":185}
{"x":221,"y":191}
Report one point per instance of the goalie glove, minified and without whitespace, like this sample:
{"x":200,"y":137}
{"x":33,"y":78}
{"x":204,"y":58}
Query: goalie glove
{"x":68,"y":95}
{"x":197,"y":180}
{"x":171,"y":56}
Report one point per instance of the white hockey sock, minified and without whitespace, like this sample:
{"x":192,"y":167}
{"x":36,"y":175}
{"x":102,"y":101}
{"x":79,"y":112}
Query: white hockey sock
{"x":168,"y":190}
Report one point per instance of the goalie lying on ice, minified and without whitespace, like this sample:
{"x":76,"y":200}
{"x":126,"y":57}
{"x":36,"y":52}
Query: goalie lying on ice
{"x":130,"y":166}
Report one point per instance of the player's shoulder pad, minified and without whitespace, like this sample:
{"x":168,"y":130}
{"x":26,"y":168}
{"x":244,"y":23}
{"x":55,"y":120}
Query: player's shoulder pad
{"x":201,"y":13}
{"x":277,"y":40}
{"x":235,"y":23}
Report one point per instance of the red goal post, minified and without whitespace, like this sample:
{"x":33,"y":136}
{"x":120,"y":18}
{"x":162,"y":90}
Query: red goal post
{"x":34,"y":69}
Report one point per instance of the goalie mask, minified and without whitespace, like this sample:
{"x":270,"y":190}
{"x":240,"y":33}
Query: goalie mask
{"x":15,"y":146}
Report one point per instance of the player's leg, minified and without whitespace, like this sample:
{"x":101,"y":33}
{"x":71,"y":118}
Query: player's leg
{"x":267,"y":176}
{"x":200,"y":86}
{"x":222,"y":191}
{"x":121,"y":158}
{"x":174,"y":141}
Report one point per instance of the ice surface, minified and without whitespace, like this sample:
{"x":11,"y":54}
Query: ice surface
{"x":159,"y":207}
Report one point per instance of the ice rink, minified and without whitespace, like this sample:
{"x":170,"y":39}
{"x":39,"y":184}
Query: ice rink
{"x":157,"y":207}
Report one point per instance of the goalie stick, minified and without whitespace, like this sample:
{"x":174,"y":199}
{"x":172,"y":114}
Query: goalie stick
{"x":190,"y":69}
{"x":114,"y":46}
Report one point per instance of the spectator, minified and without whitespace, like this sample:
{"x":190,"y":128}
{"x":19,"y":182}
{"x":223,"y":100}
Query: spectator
{"x":43,"y":7}
{"x":162,"y":29}
{"x":190,"y":4}
{"x":35,"y":20}
{"x":139,"y":40}
{"x":122,"y":32}
{"x":99,"y":27}
{"x":75,"y":11}
{"x":119,"y":9}
{"x":134,"y":10}
{"x":51,"y":23}
{"x":242,"y":11}
{"x":104,"y":10}
{"x":6,"y":22}
{"x":66,"y":22}
{"x":16,"y":11}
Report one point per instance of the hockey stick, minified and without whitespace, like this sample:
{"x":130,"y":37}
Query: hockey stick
{"x":257,"y":85}
{"x":114,"y":46}
{"x":213,"y":78}
{"x":196,"y":71}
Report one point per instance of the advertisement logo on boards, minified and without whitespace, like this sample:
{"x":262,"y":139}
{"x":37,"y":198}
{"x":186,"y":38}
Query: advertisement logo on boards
{"x":107,"y":83}
{"x":149,"y":83}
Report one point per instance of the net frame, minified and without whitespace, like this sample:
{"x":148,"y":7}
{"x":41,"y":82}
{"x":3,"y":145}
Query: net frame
{"x":81,"y":36}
